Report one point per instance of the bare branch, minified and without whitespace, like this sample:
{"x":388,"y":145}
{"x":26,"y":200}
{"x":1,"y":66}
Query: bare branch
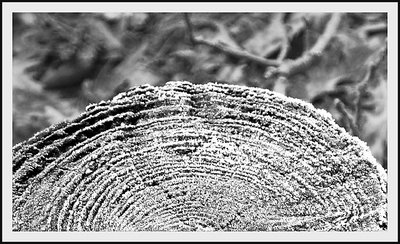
{"x":350,"y":121}
{"x":362,"y":86}
{"x":307,"y":31}
{"x":189,"y":27}
{"x":291,"y":67}
{"x":373,"y":63}
{"x":329,"y":32}
{"x":293,"y":31}
{"x":237,"y":53}
{"x":285,"y":38}
{"x":367,"y":30}
{"x":227,"y":49}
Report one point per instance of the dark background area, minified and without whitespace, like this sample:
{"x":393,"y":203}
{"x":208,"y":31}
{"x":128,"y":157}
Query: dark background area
{"x":63,"y":62}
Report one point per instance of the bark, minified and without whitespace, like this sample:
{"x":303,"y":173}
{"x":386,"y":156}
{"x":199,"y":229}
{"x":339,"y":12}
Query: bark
{"x":187,"y":157}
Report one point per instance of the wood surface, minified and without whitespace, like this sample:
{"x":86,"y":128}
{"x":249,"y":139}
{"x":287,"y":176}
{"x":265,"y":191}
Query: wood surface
{"x":185,"y":157}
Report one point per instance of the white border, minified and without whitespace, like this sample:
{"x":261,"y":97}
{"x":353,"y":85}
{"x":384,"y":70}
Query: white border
{"x":391,"y":8}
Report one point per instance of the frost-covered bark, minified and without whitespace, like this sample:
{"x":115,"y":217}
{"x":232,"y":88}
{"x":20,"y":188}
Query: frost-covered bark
{"x":186,"y":157}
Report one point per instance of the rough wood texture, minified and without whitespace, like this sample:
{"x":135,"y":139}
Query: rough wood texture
{"x":187,"y":157}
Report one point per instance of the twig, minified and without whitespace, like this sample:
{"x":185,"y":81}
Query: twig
{"x":57,"y":22}
{"x":291,"y":67}
{"x":214,"y":25}
{"x":350,"y":121}
{"x":226,"y":34}
{"x":293,"y":31}
{"x":285,"y":38}
{"x":190,"y":28}
{"x":329,"y":32}
{"x":306,"y":33}
{"x":373,"y":64}
{"x":227,"y":49}
{"x":237,"y":53}
{"x":362,"y":86}
{"x":367,"y":30}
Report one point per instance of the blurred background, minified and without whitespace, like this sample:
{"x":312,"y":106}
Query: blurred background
{"x":64,"y":61}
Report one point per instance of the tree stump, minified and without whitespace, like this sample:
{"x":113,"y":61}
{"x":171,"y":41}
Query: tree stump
{"x":187,"y":157}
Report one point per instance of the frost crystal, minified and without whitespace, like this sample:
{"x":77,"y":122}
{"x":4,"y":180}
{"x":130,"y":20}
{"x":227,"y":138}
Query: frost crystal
{"x":187,"y":157}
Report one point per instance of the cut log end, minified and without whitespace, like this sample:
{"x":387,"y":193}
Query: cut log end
{"x":185,"y":157}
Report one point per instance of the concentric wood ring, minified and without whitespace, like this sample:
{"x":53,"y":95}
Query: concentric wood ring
{"x":187,"y":157}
